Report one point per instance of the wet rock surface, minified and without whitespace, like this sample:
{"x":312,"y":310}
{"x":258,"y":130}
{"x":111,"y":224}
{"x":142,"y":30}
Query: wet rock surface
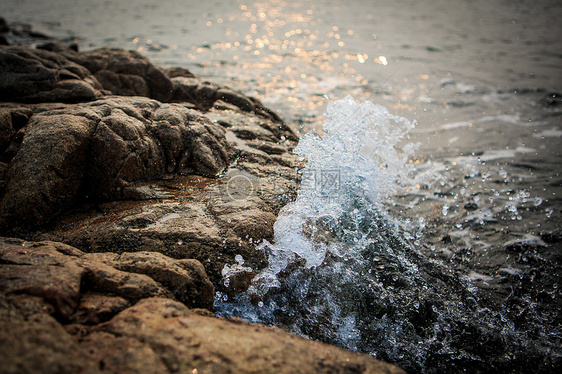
{"x":55,"y":155}
{"x":201,"y":179}
{"x":132,"y":174}
{"x":97,"y":149}
{"x":62,"y":274}
{"x":66,"y":311}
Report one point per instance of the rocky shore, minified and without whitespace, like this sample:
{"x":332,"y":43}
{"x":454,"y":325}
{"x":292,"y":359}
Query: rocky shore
{"x":124,"y":190}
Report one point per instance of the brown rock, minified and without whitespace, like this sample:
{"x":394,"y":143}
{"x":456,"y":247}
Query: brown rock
{"x":115,"y":354}
{"x":127,"y":309}
{"x":96,"y":308}
{"x":31,"y":341}
{"x":193,"y":343}
{"x":236,"y":99}
{"x":206,"y":95}
{"x":189,"y":217}
{"x":185,"y":278}
{"x":124,"y":147}
{"x":61,"y":274}
{"x":250,"y":223}
{"x":46,"y":173}
{"x":126,"y":73}
{"x":58,"y":73}
{"x":30,"y":75}
{"x":61,"y":289}
{"x":202,"y":94}
{"x":179,"y":72}
{"x":123,"y":84}
{"x":184,"y":90}
{"x":63,"y":311}
{"x":128,"y":140}
{"x":95,"y":150}
{"x":211,"y":220}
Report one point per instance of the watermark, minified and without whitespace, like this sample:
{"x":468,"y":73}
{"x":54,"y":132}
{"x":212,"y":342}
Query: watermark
{"x":323,"y":180}
{"x":239,"y":185}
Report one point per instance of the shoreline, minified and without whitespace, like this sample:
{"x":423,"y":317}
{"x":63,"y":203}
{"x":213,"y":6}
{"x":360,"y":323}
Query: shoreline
{"x":144,"y":171}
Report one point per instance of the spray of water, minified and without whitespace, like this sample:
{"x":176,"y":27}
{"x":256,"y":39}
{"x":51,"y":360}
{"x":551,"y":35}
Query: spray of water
{"x":342,"y":271}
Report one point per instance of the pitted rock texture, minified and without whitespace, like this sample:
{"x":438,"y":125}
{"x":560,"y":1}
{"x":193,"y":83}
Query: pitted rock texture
{"x":125,"y":73}
{"x":56,"y":73}
{"x":32,"y":75}
{"x":132,"y":174}
{"x":155,"y":197}
{"x":68,"y":152}
{"x":71,"y":281}
{"x":189,"y":216}
{"x":64,"y":311}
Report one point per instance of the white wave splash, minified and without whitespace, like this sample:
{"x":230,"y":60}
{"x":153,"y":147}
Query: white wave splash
{"x":342,"y":270}
{"x":355,"y":164}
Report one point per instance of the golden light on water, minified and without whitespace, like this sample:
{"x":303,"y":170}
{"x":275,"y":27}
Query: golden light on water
{"x":291,"y":38}
{"x":381,"y":60}
{"x":359,"y":57}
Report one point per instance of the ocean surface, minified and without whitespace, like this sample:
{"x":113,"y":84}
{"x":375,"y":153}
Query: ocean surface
{"x":460,"y":167}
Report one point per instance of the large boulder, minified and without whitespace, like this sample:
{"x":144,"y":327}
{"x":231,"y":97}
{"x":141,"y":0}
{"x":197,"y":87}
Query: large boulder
{"x":192,"y":216}
{"x":197,"y":343}
{"x":68,"y":152}
{"x":53,"y":155}
{"x":125,"y":73}
{"x":133,"y":174}
{"x":66,"y":278}
{"x":57,"y":73}
{"x":33,"y":75}
{"x":46,"y":173}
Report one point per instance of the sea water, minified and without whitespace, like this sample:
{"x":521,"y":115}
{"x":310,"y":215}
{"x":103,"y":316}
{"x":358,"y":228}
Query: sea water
{"x":343,"y":270}
{"x":472,"y":244}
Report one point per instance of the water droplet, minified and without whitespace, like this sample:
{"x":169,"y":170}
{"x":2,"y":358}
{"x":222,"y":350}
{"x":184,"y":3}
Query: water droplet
{"x":239,"y":259}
